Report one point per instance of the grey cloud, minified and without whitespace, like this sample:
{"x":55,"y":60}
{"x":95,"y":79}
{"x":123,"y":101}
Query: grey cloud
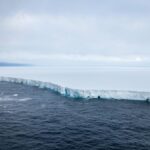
{"x":104,"y":28}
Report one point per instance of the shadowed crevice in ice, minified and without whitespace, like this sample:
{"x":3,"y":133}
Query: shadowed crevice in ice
{"x":85,"y":94}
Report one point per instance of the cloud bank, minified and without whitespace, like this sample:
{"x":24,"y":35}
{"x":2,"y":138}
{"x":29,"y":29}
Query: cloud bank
{"x":82,"y":31}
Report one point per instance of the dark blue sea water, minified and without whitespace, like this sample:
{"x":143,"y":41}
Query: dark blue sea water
{"x":38,"y":119}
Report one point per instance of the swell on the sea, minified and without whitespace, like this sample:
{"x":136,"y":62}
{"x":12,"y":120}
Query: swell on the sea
{"x":85,"y":94}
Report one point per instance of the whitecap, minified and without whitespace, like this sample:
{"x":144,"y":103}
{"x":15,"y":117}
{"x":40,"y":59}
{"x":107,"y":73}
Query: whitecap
{"x":24,"y":99}
{"x":15,"y":95}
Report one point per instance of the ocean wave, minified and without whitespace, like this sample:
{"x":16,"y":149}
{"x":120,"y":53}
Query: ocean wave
{"x":85,"y":94}
{"x":12,"y":98}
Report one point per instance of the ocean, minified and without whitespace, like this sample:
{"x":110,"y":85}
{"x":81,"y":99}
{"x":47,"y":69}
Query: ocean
{"x":41,"y":119}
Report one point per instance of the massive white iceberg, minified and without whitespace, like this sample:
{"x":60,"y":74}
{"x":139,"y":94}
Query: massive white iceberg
{"x":87,"y":94}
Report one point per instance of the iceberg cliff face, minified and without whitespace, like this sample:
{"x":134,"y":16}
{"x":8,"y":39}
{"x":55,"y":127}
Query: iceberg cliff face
{"x":75,"y":93}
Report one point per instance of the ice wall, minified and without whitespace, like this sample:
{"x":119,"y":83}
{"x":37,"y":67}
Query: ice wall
{"x":86,"y":94}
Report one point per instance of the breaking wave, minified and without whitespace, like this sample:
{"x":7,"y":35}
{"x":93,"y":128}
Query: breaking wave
{"x":86,"y":94}
{"x":12,"y":98}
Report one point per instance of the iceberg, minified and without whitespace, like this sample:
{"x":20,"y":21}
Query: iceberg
{"x":85,"y":94}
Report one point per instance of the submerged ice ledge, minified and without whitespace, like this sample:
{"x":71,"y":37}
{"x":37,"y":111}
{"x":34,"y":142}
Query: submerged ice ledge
{"x":87,"y":94}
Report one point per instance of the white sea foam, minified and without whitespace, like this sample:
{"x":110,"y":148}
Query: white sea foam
{"x":11,"y":98}
{"x":24,"y":99}
{"x":15,"y":95}
{"x":6,"y":98}
{"x":76,"y":93}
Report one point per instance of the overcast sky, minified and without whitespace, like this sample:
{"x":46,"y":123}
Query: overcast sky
{"x":102,"y":32}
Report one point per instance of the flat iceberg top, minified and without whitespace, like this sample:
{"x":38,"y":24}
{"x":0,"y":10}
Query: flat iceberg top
{"x":76,"y":93}
{"x":86,"y":78}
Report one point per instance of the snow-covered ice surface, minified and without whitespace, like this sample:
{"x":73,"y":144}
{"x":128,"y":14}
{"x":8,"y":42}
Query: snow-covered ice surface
{"x":105,"y":78}
{"x":107,"y":82}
